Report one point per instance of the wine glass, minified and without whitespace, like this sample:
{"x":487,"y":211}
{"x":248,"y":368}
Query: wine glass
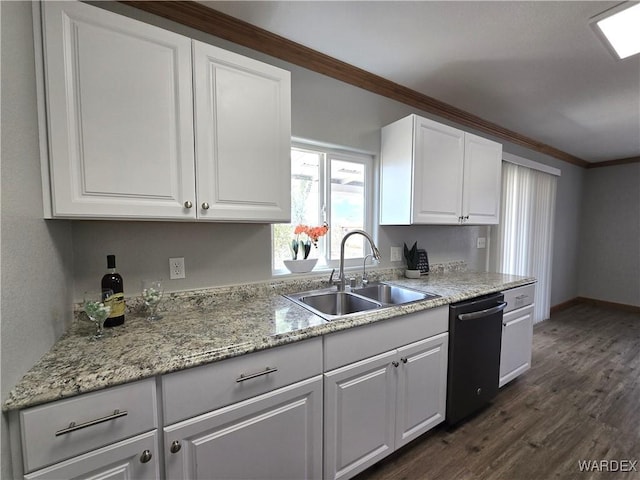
{"x":97,"y":311}
{"x":152,"y":291}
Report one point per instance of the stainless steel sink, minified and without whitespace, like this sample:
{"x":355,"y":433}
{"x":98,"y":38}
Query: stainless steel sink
{"x":338,"y":303}
{"x":331,"y":304}
{"x":392,"y":294}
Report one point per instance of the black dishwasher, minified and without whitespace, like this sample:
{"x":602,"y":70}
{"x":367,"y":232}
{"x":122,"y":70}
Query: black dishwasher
{"x":475,"y":337}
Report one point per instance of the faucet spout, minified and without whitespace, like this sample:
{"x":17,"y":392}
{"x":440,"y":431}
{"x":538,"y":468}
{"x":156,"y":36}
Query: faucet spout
{"x":374,"y":251}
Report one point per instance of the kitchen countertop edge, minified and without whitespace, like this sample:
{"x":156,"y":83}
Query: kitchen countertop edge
{"x":65,"y":382}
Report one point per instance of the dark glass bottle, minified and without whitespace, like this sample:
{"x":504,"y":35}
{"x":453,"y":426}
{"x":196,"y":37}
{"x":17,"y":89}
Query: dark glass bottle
{"x":112,"y":281}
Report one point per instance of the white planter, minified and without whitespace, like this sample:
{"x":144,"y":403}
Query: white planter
{"x":300,"y":266}
{"x":412,"y":273}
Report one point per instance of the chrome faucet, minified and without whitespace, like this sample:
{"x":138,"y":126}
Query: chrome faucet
{"x":374,"y":251}
{"x":365,"y":278}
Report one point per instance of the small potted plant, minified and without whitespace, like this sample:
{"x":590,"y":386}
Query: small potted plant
{"x":305,"y":236}
{"x":412,"y":258}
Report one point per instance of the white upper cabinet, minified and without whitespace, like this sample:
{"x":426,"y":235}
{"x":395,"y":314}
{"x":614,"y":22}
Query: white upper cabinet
{"x":482,"y":180}
{"x":120,"y":117}
{"x":243,"y":137}
{"x":124,"y":138}
{"x":436,"y":174}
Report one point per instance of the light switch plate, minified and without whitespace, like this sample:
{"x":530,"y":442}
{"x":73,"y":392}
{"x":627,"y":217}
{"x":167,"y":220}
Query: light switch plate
{"x":482,"y":242}
{"x":396,"y":254}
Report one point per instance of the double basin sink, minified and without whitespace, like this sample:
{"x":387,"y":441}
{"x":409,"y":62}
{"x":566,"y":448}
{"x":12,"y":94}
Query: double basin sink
{"x":331,"y":304}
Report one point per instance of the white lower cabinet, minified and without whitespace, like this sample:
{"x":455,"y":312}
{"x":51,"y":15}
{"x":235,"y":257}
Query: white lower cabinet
{"x":376,"y":405}
{"x":517,"y":333}
{"x":133,"y":458}
{"x":277,"y":435}
{"x":517,"y":338}
{"x":108,"y":434}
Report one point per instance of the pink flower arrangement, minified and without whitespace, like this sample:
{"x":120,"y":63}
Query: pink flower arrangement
{"x":310,"y":236}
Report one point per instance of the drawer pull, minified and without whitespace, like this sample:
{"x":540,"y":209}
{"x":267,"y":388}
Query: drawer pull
{"x":249,"y":376}
{"x":146,"y":456}
{"x":73,"y":427}
{"x":522,"y":297}
{"x":175,"y":446}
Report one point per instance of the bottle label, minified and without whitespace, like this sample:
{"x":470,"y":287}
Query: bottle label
{"x":116,"y":302}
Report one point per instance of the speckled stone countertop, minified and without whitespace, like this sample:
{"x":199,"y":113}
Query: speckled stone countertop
{"x":207,"y":326}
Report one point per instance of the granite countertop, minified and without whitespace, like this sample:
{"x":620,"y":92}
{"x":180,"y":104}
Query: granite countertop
{"x":208,"y":326}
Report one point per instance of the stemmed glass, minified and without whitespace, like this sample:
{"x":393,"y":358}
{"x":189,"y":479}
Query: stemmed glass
{"x":151,"y":295}
{"x":97,"y":311}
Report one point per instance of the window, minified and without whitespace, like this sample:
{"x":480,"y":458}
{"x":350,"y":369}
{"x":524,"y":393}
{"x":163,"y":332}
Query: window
{"x":332,"y":186}
{"x":522,"y":243}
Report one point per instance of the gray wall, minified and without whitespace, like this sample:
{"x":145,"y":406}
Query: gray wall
{"x":324,"y":110}
{"x":610,"y":243}
{"x":36,"y":254}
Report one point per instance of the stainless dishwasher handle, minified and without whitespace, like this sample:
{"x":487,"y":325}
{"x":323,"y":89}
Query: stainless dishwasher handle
{"x":73,"y":427}
{"x":482,"y":313}
{"x":249,"y":376}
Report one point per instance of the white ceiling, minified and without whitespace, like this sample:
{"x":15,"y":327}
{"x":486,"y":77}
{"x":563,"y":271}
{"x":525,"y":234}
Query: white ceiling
{"x":536,"y":68}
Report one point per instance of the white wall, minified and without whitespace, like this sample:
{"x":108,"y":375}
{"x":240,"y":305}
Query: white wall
{"x":610,"y":236}
{"x":36,"y":254}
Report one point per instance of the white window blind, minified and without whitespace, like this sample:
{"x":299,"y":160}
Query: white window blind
{"x":522,"y":244}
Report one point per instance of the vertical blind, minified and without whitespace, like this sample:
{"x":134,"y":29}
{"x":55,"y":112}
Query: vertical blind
{"x":522,"y":244}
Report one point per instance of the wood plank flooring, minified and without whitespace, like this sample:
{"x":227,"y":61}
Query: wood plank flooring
{"x":579,"y":401}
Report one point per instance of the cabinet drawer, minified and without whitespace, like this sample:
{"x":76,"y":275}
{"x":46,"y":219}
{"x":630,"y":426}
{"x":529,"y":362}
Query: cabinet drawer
{"x":342,"y":348}
{"x":202,"y":389}
{"x":48,"y":435}
{"x":519,"y":297}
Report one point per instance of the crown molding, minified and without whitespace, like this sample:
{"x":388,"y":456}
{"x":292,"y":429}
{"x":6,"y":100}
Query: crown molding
{"x":613,"y":163}
{"x":205,"y":19}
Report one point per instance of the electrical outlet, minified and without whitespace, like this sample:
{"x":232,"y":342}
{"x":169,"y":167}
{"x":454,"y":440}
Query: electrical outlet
{"x":176,"y":268}
{"x":396,"y":254}
{"x":482,"y":242}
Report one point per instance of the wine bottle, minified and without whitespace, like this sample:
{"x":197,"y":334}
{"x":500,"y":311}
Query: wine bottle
{"x":112,"y":282}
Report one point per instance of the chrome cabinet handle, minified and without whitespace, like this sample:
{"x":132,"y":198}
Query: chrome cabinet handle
{"x":73,"y":427}
{"x":205,"y":206}
{"x":522,"y":297}
{"x":249,"y":376}
{"x":175,"y":446}
{"x":395,"y":364}
{"x":482,"y":313}
{"x":188,"y":204}
{"x":404,"y":360}
{"x":146,"y":456}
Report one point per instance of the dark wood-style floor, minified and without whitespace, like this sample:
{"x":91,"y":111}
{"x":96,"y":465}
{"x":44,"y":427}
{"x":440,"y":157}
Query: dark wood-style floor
{"x":579,"y":401}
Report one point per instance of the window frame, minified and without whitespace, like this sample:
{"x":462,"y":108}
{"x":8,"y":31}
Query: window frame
{"x":332,"y":152}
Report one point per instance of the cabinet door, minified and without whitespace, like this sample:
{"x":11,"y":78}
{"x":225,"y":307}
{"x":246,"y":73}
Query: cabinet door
{"x":277,"y":435}
{"x":243,"y":137}
{"x":422,"y":387}
{"x":482,"y":180}
{"x":359,"y":415}
{"x":517,"y":338}
{"x":137,"y":457}
{"x":120,"y":115}
{"x":437,"y":182}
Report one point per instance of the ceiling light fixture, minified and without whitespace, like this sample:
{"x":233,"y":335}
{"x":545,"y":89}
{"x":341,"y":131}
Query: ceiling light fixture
{"x":619,"y":27}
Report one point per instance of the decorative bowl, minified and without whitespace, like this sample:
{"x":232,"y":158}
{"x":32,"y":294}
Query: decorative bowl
{"x":300,"y":266}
